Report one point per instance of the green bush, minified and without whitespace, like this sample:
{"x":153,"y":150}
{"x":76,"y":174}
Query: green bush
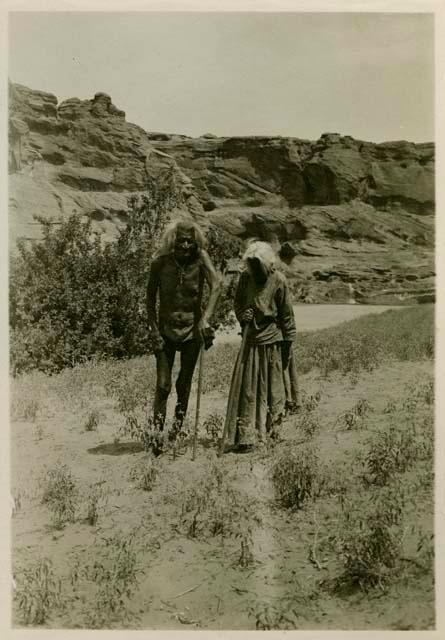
{"x":74,"y":296}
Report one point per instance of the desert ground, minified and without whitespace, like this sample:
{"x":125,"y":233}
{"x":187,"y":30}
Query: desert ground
{"x":331,"y":527}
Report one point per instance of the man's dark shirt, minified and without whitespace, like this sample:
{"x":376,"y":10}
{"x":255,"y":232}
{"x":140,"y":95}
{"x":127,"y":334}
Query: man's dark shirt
{"x":180,"y":296}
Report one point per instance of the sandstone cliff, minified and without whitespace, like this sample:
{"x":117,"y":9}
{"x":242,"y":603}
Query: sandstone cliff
{"x":358,"y":216}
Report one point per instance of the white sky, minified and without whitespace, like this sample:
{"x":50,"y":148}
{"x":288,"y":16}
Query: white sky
{"x":367,"y":75}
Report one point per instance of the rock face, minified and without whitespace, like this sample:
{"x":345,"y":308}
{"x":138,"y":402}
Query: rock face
{"x":80,"y":155}
{"x":353,"y":220}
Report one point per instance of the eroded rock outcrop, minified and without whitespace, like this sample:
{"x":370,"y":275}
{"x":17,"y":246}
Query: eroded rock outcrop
{"x":80,"y":155}
{"x":353,"y":220}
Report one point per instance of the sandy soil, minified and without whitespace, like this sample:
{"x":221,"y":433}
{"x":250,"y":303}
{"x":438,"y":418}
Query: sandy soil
{"x":192,"y":583}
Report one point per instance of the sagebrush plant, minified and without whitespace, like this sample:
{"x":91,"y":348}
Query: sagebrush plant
{"x":391,"y":451}
{"x":61,"y":494}
{"x":38,"y":593}
{"x":295,"y":476}
{"x":144,"y":473}
{"x":109,"y":581}
{"x":369,"y":538}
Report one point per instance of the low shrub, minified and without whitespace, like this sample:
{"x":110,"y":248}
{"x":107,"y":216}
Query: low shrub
{"x":369,"y":539}
{"x":96,"y":500}
{"x":60,"y":493}
{"x":391,"y":451}
{"x":38,"y":593}
{"x":295,"y":477}
{"x":92,"y":421}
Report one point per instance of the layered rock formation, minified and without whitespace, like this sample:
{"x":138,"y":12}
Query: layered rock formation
{"x":357,"y":216}
{"x":80,"y":155}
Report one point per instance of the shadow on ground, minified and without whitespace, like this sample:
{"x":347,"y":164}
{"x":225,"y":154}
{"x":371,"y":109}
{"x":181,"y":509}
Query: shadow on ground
{"x":116,"y":448}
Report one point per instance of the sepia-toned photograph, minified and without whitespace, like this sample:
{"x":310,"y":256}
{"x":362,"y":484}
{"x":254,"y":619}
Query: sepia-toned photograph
{"x":222,"y":291}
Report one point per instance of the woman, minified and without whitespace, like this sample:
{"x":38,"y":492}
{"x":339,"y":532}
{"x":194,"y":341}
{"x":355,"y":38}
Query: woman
{"x":257,"y":395}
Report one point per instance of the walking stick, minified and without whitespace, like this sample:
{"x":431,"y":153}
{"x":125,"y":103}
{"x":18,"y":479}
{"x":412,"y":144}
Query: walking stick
{"x":235,"y":384}
{"x":198,"y":400}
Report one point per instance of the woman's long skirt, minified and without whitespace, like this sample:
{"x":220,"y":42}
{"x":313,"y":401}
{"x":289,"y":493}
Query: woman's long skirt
{"x":257,"y":394}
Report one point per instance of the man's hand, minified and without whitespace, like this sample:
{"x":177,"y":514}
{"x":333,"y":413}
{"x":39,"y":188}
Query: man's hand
{"x":286,"y":346}
{"x":157,"y":341}
{"x":247,"y":315}
{"x":204,"y":333}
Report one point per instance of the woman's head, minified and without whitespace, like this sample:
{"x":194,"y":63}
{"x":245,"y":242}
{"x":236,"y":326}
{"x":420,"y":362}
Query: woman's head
{"x":260,"y":259}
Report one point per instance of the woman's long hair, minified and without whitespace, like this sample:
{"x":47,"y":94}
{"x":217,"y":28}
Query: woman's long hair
{"x":263,"y":251}
{"x":168,"y":238}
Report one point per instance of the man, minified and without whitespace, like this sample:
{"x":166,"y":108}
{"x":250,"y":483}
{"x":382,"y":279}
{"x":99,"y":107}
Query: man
{"x":178,"y":272}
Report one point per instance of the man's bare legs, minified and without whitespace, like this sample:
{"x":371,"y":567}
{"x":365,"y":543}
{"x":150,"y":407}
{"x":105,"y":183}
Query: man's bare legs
{"x":164,"y":365}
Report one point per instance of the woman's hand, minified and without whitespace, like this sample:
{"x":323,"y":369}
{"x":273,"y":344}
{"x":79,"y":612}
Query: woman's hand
{"x":247,"y":315}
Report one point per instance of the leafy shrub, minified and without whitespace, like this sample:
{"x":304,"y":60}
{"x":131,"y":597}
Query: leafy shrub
{"x":295,"y":476}
{"x":391,"y":451}
{"x":141,"y":428}
{"x":38,"y":593}
{"x":369,"y":538}
{"x":60,"y":493}
{"x":73,"y":297}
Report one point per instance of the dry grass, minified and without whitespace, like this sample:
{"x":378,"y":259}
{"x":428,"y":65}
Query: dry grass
{"x":358,"y":497}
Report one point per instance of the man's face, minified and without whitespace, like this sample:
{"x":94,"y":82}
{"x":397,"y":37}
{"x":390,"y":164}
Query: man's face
{"x":185,"y":245}
{"x":257,"y":270}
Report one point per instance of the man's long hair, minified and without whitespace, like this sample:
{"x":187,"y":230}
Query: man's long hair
{"x":168,"y":238}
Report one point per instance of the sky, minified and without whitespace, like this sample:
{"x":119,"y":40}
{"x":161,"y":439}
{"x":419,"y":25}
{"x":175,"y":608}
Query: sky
{"x":369,"y":75}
